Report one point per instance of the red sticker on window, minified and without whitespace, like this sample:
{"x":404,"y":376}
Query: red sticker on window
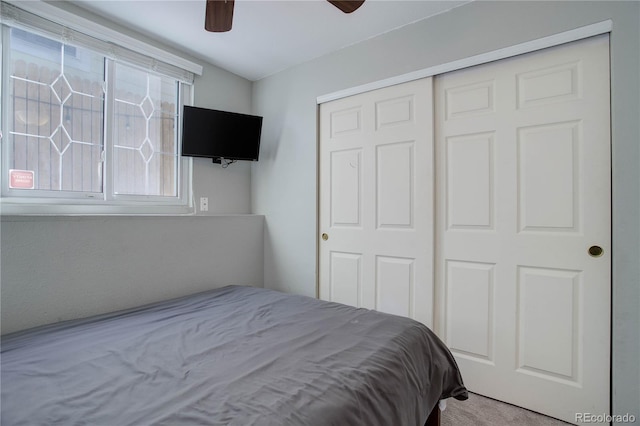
{"x":21,"y":179}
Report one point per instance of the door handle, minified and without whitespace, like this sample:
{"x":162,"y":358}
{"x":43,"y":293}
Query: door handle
{"x":325,"y":237}
{"x":595,"y":251}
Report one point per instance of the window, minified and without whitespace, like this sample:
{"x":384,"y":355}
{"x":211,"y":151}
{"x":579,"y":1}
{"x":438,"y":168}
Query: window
{"x":55,"y":115}
{"x":145,"y":147}
{"x":82,"y":128}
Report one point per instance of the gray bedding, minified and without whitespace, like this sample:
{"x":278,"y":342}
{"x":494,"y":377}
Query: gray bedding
{"x":231,"y":356}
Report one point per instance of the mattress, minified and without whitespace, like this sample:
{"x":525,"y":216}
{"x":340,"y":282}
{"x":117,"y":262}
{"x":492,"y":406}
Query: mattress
{"x":230,"y":356}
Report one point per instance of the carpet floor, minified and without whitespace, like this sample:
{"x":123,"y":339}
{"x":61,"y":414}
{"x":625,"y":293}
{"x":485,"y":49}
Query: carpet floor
{"x":481,"y":411}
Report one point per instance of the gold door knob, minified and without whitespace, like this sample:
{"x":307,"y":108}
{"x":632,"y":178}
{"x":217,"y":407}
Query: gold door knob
{"x":325,"y":237}
{"x":596,"y":251}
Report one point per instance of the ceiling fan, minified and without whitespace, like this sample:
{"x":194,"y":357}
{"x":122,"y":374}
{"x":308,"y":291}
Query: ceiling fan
{"x":219,"y":13}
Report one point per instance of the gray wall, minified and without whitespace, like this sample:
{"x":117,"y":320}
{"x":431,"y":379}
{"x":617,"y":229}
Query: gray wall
{"x":284,"y":181}
{"x":58,"y":268}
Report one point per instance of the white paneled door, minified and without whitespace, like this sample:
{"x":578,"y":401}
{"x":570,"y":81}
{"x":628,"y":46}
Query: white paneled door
{"x":522,"y":202}
{"x":523,"y":227}
{"x":376,"y":200}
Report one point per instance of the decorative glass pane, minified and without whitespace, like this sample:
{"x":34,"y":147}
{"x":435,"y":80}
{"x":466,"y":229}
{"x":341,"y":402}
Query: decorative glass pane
{"x":145,"y":145}
{"x":129,"y":171}
{"x":57,"y":102}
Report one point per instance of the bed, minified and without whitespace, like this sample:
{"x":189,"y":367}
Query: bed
{"x":231,"y":356}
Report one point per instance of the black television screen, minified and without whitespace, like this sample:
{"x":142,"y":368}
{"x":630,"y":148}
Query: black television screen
{"x":220,"y":134}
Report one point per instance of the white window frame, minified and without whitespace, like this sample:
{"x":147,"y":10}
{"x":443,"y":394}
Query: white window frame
{"x":103,"y":203}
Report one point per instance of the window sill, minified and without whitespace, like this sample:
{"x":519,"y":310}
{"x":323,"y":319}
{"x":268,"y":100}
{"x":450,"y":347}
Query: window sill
{"x":13,"y":207}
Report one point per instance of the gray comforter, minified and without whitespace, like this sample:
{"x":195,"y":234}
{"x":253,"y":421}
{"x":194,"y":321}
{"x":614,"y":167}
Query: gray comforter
{"x":231,"y":356}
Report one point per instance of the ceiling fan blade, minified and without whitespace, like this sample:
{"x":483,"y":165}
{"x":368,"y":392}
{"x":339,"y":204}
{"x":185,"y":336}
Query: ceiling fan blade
{"x":218,"y":16}
{"x":347,"y":6}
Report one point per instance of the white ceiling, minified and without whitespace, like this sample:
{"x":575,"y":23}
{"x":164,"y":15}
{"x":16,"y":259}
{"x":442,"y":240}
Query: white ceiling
{"x":267,"y":36}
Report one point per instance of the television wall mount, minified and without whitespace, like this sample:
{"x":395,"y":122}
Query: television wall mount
{"x":223,"y":162}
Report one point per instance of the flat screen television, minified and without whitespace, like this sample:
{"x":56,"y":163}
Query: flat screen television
{"x":220,"y":135}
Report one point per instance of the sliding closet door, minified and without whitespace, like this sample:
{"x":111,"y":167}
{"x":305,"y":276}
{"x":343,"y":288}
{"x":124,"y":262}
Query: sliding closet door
{"x":523,"y":227}
{"x":376,"y":200}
